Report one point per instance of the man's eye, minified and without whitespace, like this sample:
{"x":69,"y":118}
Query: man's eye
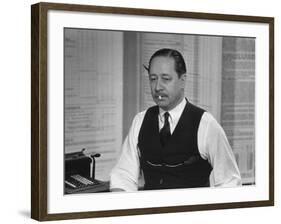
{"x":152,"y":78}
{"x":166,"y":79}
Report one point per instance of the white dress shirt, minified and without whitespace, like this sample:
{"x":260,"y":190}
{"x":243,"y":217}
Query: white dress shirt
{"x":212,"y":145}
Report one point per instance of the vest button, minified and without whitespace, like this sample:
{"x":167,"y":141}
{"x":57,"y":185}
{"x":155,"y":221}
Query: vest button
{"x":161,"y":180}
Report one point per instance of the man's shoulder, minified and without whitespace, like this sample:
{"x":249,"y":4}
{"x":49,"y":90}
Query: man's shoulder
{"x":208,"y":116}
{"x":154,"y":108}
{"x":140,"y":115}
{"x":196,"y":108}
{"x":210,"y":122}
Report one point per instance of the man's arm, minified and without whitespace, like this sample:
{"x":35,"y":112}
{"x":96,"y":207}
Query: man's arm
{"x":124,"y":176}
{"x":214,"y":146}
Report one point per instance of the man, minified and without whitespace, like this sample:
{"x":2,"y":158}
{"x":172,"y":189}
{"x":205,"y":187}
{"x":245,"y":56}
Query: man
{"x":173,"y":144}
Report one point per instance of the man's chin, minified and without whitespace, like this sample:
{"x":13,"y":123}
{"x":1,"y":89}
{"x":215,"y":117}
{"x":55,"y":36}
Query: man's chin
{"x":162,"y":105}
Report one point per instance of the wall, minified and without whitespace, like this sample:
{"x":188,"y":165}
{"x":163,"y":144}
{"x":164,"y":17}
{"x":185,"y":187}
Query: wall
{"x":15,"y":112}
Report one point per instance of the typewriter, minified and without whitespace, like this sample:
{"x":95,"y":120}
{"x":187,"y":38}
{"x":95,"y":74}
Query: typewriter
{"x":78,"y":177}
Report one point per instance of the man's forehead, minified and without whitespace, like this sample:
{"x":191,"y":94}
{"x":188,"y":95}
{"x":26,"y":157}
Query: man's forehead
{"x":162,"y":63}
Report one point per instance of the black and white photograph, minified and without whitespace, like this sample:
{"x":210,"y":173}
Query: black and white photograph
{"x":149,"y":111}
{"x":157,"y":111}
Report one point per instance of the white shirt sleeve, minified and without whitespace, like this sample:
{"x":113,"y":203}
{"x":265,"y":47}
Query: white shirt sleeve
{"x":214,"y":146}
{"x":125,"y":174}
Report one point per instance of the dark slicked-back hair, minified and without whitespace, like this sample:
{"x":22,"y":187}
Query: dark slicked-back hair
{"x":180,"y":67}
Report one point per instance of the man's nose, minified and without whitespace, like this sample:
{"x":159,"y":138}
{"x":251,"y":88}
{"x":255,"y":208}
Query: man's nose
{"x":158,"y":85}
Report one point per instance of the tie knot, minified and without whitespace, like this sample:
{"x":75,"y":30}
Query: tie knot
{"x":166,"y":116}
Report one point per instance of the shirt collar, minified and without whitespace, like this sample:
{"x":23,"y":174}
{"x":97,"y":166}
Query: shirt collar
{"x":175,"y":113}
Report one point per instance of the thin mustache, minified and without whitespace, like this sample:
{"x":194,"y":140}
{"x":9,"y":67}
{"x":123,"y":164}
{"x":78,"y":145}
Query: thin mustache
{"x":160,"y":94}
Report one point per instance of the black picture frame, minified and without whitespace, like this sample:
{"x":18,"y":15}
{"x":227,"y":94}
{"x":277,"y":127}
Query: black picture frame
{"x":39,"y":109}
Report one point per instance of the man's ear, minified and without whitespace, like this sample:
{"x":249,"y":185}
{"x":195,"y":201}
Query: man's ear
{"x":183,"y":79}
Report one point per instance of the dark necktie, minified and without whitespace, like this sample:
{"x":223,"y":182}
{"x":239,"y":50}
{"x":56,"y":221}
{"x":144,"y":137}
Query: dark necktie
{"x":165,"y":132}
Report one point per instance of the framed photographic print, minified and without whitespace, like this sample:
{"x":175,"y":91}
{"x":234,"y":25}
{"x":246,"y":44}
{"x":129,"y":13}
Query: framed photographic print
{"x":139,"y":111}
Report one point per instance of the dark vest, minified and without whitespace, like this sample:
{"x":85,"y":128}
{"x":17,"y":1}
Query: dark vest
{"x":178,"y":164}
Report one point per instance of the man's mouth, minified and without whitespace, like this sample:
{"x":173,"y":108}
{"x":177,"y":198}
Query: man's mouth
{"x":160,"y":97}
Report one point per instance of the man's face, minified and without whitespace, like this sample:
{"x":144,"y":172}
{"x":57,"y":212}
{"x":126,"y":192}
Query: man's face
{"x":167,"y":88}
